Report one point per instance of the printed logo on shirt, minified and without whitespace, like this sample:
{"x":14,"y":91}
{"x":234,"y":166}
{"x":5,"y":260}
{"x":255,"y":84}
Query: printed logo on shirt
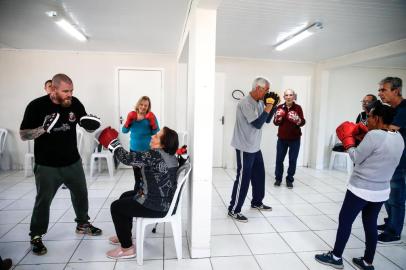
{"x":64,"y":127}
{"x":72,"y":117}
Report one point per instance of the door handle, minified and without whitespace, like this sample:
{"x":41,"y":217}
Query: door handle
{"x":222,"y":120}
{"x":121,"y":120}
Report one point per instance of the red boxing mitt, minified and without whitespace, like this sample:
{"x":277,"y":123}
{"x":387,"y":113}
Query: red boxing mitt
{"x":152,"y":120}
{"x":107,"y":136}
{"x":360,"y":132}
{"x":131,"y":117}
{"x":345,"y":132}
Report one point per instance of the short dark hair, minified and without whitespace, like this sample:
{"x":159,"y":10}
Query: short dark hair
{"x":169,"y":141}
{"x":58,"y":78}
{"x":47,"y":81}
{"x":374,"y":98}
{"x":384,"y":111}
{"x":396,"y":83}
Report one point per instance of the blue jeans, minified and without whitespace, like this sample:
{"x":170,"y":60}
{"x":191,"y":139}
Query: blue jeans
{"x":350,"y":209}
{"x":281,"y":150}
{"x":395,"y":206}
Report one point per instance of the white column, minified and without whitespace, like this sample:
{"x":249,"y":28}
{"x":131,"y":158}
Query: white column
{"x":319,"y":126}
{"x":201,"y":78}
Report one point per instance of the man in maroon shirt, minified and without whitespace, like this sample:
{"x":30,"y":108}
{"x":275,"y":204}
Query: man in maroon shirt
{"x":289,"y":118}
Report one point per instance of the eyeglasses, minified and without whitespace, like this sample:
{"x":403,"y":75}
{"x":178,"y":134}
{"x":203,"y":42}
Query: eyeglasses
{"x":365,"y":102}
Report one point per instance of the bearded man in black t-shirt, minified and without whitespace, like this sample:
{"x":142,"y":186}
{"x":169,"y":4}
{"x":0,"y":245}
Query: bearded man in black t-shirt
{"x":51,"y":121}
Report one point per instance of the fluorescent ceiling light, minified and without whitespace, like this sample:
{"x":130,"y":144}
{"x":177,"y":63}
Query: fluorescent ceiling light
{"x":297,"y":36}
{"x":70,"y":29}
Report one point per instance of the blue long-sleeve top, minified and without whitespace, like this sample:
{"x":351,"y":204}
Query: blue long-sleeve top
{"x":140,"y":135}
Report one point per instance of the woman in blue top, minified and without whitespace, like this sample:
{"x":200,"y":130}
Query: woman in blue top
{"x":143,"y":124}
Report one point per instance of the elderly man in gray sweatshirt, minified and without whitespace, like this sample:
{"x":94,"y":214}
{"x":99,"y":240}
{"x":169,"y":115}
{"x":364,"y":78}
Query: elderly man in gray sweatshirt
{"x":375,"y":160}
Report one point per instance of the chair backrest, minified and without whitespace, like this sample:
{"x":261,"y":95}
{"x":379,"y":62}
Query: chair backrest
{"x":30,"y":146}
{"x":182,"y":176}
{"x":3,"y":137}
{"x":182,"y":135}
{"x":79,"y":138}
{"x":335,"y":144}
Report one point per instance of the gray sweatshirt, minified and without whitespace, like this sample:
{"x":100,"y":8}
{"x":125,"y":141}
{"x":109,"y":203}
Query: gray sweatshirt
{"x":376,"y":159}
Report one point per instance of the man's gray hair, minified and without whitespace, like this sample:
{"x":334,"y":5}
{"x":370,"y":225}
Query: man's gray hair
{"x":396,"y":83}
{"x":261,"y":82}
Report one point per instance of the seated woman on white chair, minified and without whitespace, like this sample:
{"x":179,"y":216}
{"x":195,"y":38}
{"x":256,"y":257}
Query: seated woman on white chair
{"x":159,"y":166}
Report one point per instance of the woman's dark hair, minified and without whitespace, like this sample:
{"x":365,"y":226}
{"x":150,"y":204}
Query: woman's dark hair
{"x":386,"y":112}
{"x":169,"y":141}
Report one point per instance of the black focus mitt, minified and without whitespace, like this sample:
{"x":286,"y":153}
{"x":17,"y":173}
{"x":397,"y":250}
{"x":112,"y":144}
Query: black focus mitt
{"x":90,"y":123}
{"x":271,"y":98}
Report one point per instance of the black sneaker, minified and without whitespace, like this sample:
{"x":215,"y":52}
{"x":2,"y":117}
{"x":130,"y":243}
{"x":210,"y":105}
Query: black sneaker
{"x":88,"y":228}
{"x":359,"y":262}
{"x":6,"y":264}
{"x":277,"y":183}
{"x":381,"y":227}
{"x":289,"y":185}
{"x":388,"y":239}
{"x":238,"y":216}
{"x":328,"y":259}
{"x":262,"y":207}
{"x":38,"y":247}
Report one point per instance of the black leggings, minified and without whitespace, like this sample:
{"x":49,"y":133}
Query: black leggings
{"x":352,"y":205}
{"x":122,"y":212}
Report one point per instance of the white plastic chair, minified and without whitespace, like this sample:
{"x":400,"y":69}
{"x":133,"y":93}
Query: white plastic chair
{"x":97,"y":156}
{"x":182,"y":138}
{"x":79,"y":139}
{"x":3,"y":137}
{"x":174,"y":216}
{"x":29,"y":159}
{"x":345,"y":155}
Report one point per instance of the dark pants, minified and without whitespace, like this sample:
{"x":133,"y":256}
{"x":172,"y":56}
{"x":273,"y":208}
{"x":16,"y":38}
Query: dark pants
{"x":48,"y":180}
{"x":137,"y":177}
{"x":250,"y":168}
{"x":395,"y":206}
{"x":352,"y":205}
{"x":281,"y":150}
{"x":122,"y":212}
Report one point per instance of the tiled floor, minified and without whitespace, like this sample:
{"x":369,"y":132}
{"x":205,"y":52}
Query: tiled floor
{"x":302,"y":223}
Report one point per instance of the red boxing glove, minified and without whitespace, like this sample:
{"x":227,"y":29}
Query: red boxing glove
{"x":360,"y":132}
{"x":294,"y":118}
{"x":345,"y":132}
{"x":152,"y":120}
{"x":107,"y":136}
{"x":279,"y":115}
{"x":182,"y":150}
{"x":131,"y":117}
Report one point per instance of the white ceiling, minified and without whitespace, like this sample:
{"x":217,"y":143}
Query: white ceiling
{"x":245,"y":28}
{"x":144,"y":26}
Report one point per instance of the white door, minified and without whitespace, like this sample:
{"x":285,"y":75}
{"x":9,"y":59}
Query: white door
{"x":301,"y":85}
{"x":218,"y":120}
{"x":133,"y":84}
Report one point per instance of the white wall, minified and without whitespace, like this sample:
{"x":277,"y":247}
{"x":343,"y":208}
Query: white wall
{"x":347,"y":87}
{"x":239,"y":75}
{"x":23,"y":73}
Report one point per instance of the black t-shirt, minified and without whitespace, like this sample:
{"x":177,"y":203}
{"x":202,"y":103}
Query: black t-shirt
{"x":59,"y":147}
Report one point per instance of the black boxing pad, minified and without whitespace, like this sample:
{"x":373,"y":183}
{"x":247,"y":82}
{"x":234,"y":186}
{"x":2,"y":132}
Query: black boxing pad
{"x":90,"y":123}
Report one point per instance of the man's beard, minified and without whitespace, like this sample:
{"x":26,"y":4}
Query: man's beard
{"x":66,"y":103}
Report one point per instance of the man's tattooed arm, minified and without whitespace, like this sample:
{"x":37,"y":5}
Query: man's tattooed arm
{"x":31,"y":134}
